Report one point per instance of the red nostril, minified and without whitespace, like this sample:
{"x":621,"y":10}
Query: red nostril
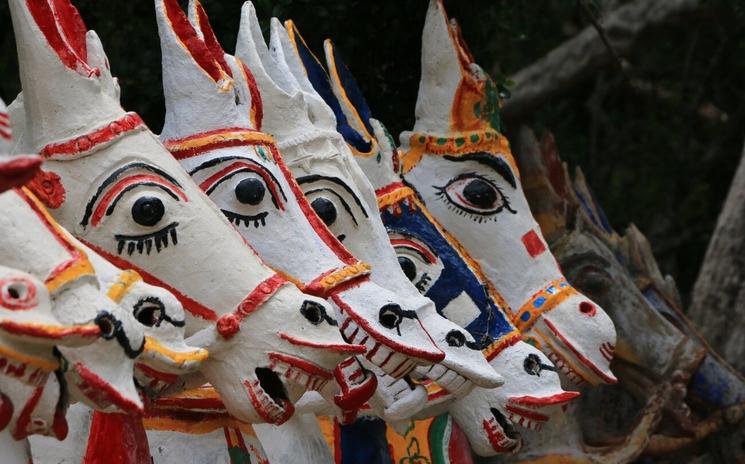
{"x":587,"y":308}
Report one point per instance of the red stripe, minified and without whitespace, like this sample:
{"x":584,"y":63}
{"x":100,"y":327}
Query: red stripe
{"x":257,"y":105}
{"x":56,"y":20}
{"x":188,"y":36}
{"x":4,"y":117}
{"x":21,"y":429}
{"x":40,"y":332}
{"x":210,"y":40}
{"x":214,"y":178}
{"x":338,"y":347}
{"x":194,"y":307}
{"x":431,"y":258}
{"x":328,"y":238}
{"x":605,"y":377}
{"x":126,"y":182}
{"x":302,"y":364}
{"x":389,"y":188}
{"x":84,"y":143}
{"x":532,"y":415}
{"x":545,"y":400}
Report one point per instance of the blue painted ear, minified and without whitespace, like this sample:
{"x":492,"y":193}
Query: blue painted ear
{"x":347,"y":85}
{"x":319,"y":79}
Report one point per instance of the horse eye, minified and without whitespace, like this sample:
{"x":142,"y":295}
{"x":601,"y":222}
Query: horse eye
{"x":480,"y":193}
{"x":250,"y":191}
{"x":325,"y":209}
{"x":314,"y":312}
{"x":390,"y":316}
{"x":408,"y":266}
{"x":147,"y":211}
{"x":149,"y":312}
{"x":455,"y":338}
{"x":532,"y":364}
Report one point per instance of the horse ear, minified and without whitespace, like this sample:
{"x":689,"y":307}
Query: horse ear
{"x":290,"y":48}
{"x":350,"y":102}
{"x":51,"y":41}
{"x":205,"y":89}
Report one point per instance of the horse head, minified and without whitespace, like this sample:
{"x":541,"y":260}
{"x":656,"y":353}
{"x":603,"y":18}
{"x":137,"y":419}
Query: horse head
{"x":460,"y":163}
{"x":443,"y":270}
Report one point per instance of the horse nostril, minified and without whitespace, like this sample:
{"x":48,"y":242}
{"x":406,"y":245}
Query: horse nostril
{"x":390,"y":316}
{"x":587,"y":308}
{"x":314,"y":312}
{"x":455,"y":338}
{"x":108,"y":325}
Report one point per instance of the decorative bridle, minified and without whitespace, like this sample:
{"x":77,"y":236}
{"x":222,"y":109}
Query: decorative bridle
{"x":489,"y":141}
{"x":325,"y":284}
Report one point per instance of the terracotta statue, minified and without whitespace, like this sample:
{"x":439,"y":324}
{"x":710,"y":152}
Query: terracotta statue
{"x":14,"y":170}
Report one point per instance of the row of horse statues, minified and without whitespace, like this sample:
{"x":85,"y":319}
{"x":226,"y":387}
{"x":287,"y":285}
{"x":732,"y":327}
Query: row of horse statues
{"x":274,"y":279}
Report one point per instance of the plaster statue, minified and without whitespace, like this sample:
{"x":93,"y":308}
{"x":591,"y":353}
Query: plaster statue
{"x":442,"y":270}
{"x":460,"y":163}
{"x":117,"y":189}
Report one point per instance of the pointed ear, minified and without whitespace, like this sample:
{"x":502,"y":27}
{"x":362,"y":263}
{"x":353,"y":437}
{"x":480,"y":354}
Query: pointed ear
{"x":292,"y":52}
{"x":201,"y":23}
{"x":64,"y":30}
{"x":179,"y":41}
{"x":442,"y":72}
{"x":387,"y":149}
{"x":350,"y":100}
{"x":97,"y":58}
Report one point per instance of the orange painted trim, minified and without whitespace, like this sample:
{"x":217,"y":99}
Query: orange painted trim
{"x":456,"y":144}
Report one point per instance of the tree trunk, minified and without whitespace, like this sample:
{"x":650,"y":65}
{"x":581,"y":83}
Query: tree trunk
{"x":718,"y":302}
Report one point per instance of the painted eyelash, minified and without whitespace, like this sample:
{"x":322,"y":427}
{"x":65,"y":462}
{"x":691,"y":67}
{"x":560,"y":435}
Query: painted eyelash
{"x":145,"y":242}
{"x":236,"y":219}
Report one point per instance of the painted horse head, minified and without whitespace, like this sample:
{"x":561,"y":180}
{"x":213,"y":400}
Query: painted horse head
{"x":115,"y":187}
{"x":657,"y":345}
{"x":97,"y":340}
{"x":212,"y":111}
{"x":443,"y":271}
{"x":331,"y":181}
{"x":460,"y":163}
{"x":29,"y":331}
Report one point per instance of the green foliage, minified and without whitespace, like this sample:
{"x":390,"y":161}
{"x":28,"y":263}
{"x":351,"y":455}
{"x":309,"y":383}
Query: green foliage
{"x":658,"y":151}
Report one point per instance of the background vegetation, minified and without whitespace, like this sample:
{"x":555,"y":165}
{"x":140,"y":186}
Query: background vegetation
{"x":659,"y":145}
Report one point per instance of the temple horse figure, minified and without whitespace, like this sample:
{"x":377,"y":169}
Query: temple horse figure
{"x":459,"y":162}
{"x":116,"y":188}
{"x":232,"y":161}
{"x":442,"y":270}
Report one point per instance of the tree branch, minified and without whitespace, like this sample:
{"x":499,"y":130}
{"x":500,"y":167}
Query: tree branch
{"x":576,"y":59}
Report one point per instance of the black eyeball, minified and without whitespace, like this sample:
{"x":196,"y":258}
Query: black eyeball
{"x":390,"y":316}
{"x":325,"y":209}
{"x":532,"y":364}
{"x":147,"y":211}
{"x":480,"y":193}
{"x":455,"y":338}
{"x":149,"y":311}
{"x":408,"y":266}
{"x":250,"y":191}
{"x":314,"y":312}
